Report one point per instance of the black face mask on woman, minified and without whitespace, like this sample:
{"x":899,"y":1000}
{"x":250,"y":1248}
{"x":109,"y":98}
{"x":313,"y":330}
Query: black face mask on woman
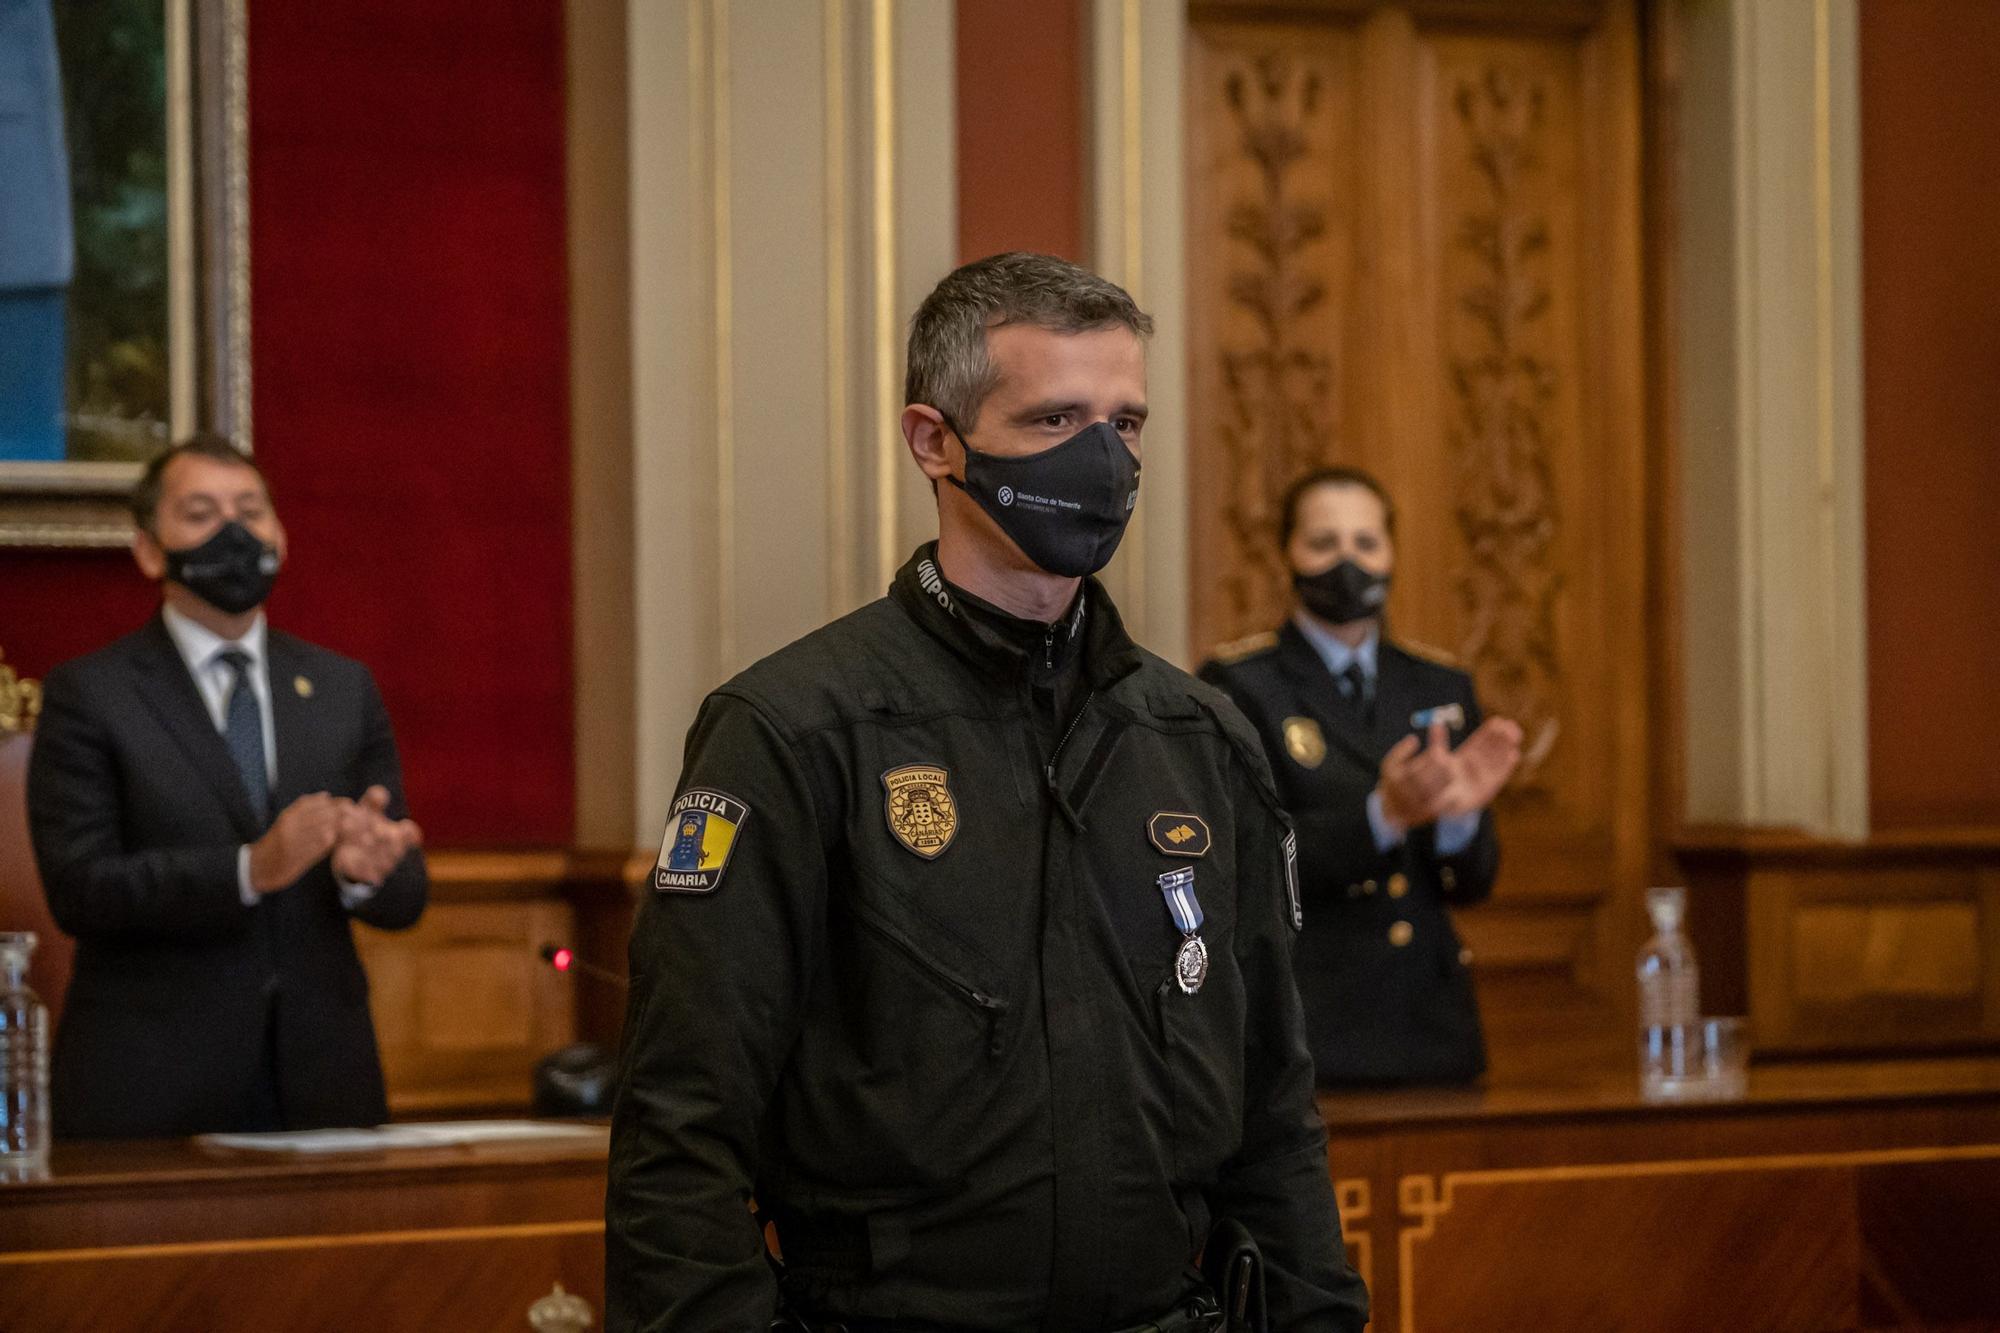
{"x":1065,"y":507}
{"x":232,"y":571}
{"x":1344,"y":593}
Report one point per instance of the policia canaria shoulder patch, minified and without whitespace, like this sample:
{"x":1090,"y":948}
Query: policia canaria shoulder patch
{"x":700,"y":837}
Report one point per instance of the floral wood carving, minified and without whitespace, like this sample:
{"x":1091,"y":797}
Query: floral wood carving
{"x":1277,"y":388}
{"x":1504,"y":386}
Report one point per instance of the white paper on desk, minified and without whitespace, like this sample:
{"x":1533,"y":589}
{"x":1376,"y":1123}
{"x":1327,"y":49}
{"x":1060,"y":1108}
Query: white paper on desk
{"x":436,"y":1134}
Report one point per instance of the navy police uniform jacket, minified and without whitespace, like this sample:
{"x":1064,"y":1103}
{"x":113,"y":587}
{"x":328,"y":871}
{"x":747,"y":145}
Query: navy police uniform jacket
{"x":1388,"y":998}
{"x":908,"y":978}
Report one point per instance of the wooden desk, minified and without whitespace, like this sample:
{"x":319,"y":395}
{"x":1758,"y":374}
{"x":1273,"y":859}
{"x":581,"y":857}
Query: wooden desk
{"x":162,"y":1236}
{"x":1833,"y":1196}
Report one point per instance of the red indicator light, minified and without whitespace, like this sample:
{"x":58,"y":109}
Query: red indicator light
{"x":562,"y":958}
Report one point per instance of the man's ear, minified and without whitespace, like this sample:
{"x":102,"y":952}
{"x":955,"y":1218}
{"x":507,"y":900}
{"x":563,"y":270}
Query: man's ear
{"x":929,"y":440}
{"x":146,"y":553}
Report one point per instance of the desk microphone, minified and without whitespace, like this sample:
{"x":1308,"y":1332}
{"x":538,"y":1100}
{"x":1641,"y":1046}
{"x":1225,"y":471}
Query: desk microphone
{"x":563,"y":959}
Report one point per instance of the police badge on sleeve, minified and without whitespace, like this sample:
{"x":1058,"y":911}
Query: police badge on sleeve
{"x":700,"y":836}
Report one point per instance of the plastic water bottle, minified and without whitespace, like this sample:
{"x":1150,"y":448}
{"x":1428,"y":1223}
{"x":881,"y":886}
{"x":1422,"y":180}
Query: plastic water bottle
{"x":24,"y":1059}
{"x":1670,"y":1051}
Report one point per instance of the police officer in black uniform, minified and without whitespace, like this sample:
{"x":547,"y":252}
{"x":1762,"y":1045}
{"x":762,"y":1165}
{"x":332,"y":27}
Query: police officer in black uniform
{"x":1383,"y":760}
{"x":969,"y":951}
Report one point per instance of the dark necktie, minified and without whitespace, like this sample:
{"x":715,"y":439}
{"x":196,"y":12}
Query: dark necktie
{"x":1354,"y":688}
{"x":243,"y":730}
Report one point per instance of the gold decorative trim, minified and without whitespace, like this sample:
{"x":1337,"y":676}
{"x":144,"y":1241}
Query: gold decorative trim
{"x":1131,"y":163}
{"x":839,"y":431}
{"x":888,"y":397}
{"x":718,"y":90}
{"x":236,"y":56}
{"x":64,"y":505}
{"x":1425,"y":1198}
{"x":266,"y":1244}
{"x":20,"y":699}
{"x":183,"y":222}
{"x":1356,"y":1202}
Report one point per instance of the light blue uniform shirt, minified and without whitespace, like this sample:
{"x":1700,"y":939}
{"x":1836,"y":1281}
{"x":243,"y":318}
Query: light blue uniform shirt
{"x":1454,"y":832}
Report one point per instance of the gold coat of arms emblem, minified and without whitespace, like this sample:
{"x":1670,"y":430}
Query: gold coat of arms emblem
{"x":1304,"y":742}
{"x":920,"y":809}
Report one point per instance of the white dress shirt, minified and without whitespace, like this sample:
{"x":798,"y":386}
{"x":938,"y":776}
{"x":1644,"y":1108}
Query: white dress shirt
{"x":202,"y":649}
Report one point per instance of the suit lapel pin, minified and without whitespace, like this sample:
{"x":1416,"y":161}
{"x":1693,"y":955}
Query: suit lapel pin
{"x":303,"y":686}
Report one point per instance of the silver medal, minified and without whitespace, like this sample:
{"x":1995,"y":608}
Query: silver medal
{"x":1191,"y":964}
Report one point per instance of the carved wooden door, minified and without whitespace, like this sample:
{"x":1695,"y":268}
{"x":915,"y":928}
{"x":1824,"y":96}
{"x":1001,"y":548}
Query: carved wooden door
{"x":1414,"y":246}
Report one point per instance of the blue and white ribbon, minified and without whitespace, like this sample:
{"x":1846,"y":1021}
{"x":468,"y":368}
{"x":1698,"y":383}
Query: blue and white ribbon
{"x":1177,"y":887}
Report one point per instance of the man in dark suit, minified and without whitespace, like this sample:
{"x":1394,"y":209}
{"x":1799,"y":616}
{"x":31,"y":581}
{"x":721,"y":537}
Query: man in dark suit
{"x":1387,"y":768}
{"x":211,"y":801}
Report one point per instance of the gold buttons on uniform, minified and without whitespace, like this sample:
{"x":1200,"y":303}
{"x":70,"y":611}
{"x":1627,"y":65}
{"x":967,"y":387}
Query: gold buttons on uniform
{"x":1368,"y":886}
{"x":1448,"y":877}
{"x":1399,"y":884}
{"x":1400,"y":933}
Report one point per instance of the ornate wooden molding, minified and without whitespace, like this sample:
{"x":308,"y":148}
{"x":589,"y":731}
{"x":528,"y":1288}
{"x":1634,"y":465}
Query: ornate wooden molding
{"x":20,"y":699}
{"x":1504,"y":383}
{"x":1280,"y":411}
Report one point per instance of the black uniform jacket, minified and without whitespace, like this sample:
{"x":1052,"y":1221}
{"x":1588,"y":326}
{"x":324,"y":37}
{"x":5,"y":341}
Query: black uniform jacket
{"x":137,"y":813}
{"x":1388,"y":997}
{"x":926,"y":1007}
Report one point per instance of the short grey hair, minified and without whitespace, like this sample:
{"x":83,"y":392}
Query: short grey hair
{"x":948,"y":365}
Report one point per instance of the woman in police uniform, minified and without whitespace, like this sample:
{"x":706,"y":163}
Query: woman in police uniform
{"x":1387,"y":768}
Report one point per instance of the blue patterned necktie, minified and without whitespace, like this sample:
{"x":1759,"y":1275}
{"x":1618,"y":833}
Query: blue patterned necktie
{"x":243,"y":730}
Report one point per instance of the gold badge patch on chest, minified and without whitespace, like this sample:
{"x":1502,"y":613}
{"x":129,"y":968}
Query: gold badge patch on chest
{"x":920,"y":809}
{"x":1178,"y":834}
{"x":1304,"y":742}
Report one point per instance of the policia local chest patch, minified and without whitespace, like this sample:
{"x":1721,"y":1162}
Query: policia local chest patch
{"x":700,"y":836}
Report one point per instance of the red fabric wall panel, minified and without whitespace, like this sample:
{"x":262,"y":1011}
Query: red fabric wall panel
{"x":1930,"y":188}
{"x":1021,"y":130}
{"x":411,"y":381}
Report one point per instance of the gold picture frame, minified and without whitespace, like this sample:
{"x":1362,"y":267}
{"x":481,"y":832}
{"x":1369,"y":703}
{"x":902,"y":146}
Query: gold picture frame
{"x":82,"y":504}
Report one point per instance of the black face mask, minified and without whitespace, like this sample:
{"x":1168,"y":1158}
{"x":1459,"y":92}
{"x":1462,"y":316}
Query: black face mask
{"x":1345,"y":593}
{"x":231,"y":571}
{"x":1065,"y":507}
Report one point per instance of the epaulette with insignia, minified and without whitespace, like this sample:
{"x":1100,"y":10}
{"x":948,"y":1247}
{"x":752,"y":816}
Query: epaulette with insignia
{"x":1229,"y":654}
{"x":1416,"y":648}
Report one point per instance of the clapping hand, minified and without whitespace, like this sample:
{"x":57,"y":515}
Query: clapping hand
{"x":1421,"y":786}
{"x":1483,"y":762}
{"x":369,"y":845}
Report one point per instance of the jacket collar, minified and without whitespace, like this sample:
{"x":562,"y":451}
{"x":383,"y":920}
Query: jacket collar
{"x":983,"y":637}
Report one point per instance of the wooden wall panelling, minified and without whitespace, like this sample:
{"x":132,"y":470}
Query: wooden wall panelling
{"x":1270,"y":141}
{"x":1414,"y":244}
{"x":463,"y":1003}
{"x":1891,"y":944}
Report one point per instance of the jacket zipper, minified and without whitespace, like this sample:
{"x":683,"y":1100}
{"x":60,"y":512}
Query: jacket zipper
{"x":1061,"y":745}
{"x":992,"y":1006}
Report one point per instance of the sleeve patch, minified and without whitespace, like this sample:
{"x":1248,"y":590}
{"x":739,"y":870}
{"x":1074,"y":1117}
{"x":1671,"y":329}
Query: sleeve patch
{"x":700,"y":836}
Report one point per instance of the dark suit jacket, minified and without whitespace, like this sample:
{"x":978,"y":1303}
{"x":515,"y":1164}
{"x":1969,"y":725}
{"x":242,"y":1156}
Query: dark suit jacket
{"x":1381,"y":972}
{"x":183,"y":998}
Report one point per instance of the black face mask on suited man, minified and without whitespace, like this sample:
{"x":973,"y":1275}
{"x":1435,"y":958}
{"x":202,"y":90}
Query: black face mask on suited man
{"x":1344,"y":593}
{"x":232,"y":571}
{"x":1066,"y":507}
